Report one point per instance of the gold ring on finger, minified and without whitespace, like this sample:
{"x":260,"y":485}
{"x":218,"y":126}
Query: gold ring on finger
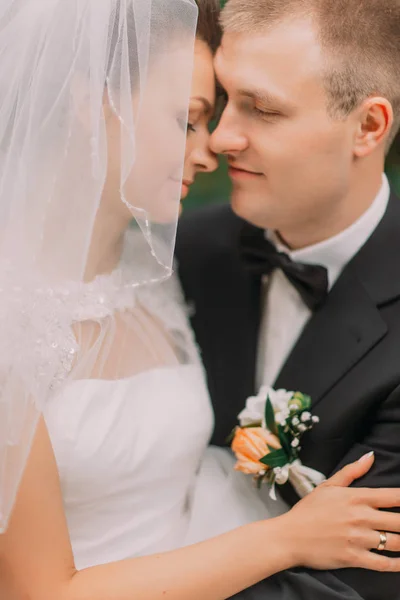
{"x":382,"y":541}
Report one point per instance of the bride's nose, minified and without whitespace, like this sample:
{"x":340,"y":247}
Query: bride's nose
{"x":205,"y":160}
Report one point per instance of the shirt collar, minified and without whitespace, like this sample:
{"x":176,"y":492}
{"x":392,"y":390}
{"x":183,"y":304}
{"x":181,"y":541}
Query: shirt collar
{"x":335,"y":252}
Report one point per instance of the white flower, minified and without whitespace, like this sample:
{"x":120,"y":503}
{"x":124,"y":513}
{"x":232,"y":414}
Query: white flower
{"x":255,"y":408}
{"x":302,"y":428}
{"x":280,"y":399}
{"x":254,"y":412}
{"x":280,"y":417}
{"x":295,"y":443}
{"x":306,"y":416}
{"x":315,"y":419}
{"x":281,"y":474}
{"x":295,"y":421}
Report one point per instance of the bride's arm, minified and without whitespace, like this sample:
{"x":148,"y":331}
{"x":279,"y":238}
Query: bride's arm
{"x":36,"y":555}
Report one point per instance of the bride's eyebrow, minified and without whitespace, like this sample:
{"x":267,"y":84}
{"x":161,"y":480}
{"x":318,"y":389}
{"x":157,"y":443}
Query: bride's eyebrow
{"x":206,"y":104}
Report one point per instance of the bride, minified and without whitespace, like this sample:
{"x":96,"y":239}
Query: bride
{"x":107,"y":487}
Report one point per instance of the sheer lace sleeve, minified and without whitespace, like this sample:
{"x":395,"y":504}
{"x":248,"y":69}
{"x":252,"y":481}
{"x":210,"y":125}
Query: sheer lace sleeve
{"x":37,"y":349}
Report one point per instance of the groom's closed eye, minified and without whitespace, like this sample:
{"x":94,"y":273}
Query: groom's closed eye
{"x":257,"y":102}
{"x":259,"y":112}
{"x":265,"y":102}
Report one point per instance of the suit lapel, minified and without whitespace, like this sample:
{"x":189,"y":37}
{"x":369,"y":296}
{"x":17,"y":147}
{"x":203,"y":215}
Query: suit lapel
{"x":349,"y":324}
{"x":333,"y":341}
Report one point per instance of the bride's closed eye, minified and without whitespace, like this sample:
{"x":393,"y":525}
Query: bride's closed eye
{"x":185,"y":125}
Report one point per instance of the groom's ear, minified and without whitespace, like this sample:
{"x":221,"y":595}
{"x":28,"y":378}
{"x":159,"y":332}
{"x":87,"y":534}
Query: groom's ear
{"x":374,"y":121}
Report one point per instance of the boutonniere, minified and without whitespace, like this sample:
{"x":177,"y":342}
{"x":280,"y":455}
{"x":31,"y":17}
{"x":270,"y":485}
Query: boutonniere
{"x":267,"y":441}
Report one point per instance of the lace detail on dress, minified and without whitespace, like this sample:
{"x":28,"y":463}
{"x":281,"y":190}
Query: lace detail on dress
{"x":36,"y":341}
{"x":39,"y":319}
{"x":164,"y":300}
{"x":115,"y":292}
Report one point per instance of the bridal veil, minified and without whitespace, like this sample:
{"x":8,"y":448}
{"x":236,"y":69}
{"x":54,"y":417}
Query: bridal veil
{"x":93,"y":116}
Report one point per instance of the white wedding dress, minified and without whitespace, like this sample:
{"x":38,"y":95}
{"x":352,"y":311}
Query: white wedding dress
{"x":136,"y":474}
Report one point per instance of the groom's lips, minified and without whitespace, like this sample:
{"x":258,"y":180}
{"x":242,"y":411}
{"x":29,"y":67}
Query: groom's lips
{"x":236,"y":172}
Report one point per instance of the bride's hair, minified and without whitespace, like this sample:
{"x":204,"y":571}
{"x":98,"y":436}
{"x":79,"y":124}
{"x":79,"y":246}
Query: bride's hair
{"x":208,"y":27}
{"x":163,"y":21}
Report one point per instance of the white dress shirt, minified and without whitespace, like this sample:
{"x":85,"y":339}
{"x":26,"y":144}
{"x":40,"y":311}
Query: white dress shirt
{"x":285,"y":314}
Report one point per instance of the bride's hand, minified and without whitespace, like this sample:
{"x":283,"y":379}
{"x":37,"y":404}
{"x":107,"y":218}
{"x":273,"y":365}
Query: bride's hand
{"x":336,"y":526}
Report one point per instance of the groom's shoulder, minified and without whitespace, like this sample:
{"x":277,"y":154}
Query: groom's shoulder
{"x":209,"y":228}
{"x":207,"y":241}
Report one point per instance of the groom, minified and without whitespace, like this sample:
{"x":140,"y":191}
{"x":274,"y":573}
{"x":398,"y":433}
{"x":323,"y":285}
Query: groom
{"x":313,"y":90}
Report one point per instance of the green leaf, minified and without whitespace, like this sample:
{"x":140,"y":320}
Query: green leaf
{"x":285,"y":441}
{"x":270,"y":417}
{"x":278,"y":458}
{"x":229,"y":438}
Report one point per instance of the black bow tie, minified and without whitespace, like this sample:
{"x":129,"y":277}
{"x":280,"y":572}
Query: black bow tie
{"x":261,"y":258}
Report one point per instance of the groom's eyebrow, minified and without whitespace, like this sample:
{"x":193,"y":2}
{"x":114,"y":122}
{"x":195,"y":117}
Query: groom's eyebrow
{"x":263,"y":97}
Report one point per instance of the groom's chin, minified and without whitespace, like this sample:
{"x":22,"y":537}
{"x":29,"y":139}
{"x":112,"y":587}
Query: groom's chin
{"x":250,"y":207}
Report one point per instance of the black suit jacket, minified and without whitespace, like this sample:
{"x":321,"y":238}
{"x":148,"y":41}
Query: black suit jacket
{"x":347,"y":357}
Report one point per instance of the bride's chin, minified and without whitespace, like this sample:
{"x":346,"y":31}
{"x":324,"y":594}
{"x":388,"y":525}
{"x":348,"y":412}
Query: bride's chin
{"x":184,"y":193}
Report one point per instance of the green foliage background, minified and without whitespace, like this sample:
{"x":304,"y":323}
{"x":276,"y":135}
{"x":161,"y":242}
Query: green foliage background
{"x":216,"y":186}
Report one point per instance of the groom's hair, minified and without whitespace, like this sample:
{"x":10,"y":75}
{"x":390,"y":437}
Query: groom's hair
{"x":360,"y":39}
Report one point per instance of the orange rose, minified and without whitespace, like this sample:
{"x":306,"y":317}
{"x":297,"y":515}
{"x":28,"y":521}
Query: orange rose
{"x":249,"y":445}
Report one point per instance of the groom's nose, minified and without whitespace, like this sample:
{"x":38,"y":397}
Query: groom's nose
{"x":228,"y":138}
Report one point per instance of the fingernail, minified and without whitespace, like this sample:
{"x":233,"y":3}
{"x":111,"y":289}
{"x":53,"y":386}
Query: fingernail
{"x":366,"y":456}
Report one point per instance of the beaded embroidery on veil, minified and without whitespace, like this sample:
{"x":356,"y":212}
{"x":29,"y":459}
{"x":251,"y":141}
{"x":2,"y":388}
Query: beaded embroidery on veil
{"x":107,"y":298}
{"x":100,"y":301}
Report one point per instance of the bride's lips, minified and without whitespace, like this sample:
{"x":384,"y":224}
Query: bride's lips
{"x":186,"y":183}
{"x":236,"y":172}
